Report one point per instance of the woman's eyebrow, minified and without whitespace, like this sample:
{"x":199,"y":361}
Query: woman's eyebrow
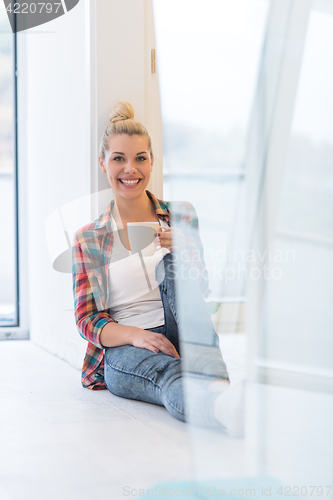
{"x":118,"y":153}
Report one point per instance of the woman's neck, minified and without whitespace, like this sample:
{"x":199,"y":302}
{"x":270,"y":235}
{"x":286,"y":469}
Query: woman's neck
{"x":137,"y":210}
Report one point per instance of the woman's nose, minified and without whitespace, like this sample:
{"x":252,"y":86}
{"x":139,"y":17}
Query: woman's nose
{"x":130,"y":167}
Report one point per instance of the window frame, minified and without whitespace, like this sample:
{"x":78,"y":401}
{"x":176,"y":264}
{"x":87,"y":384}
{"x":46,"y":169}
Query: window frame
{"x":20,"y":330}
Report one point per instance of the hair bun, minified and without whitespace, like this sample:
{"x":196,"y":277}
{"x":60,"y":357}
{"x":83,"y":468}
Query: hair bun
{"x":121,"y":111}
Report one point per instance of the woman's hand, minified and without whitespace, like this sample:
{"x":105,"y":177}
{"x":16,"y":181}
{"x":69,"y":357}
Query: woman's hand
{"x":171,"y":238}
{"x":155,"y":342}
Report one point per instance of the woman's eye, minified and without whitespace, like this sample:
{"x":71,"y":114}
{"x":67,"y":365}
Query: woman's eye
{"x":142,"y":158}
{"x":118,"y":158}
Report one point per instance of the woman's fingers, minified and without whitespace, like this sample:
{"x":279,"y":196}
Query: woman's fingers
{"x":164,"y":345}
{"x":150,"y":347}
{"x":164,"y":348}
{"x":155,"y":342}
{"x":165,"y":239}
{"x":171,"y":352}
{"x":169,"y":236}
{"x":167,"y":351}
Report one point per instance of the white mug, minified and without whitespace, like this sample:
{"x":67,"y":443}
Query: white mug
{"x":141,"y":237}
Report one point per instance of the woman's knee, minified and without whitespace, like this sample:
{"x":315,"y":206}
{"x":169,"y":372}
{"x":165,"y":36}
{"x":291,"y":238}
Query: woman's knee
{"x":124,"y":379}
{"x":114,"y":381}
{"x":137,"y":373}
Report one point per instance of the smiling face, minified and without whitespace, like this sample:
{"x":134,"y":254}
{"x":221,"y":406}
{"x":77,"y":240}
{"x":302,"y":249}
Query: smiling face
{"x":128,"y":165}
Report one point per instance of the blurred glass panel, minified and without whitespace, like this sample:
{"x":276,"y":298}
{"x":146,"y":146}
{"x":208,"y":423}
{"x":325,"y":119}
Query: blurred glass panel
{"x":305,"y":220}
{"x":208,"y":60}
{"x":295,"y":395}
{"x":8,"y":301}
{"x":307,"y":197}
{"x":208,"y":57}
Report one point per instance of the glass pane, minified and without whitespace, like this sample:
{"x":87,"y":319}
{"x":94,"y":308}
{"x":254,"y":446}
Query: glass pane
{"x":208,"y":60}
{"x":305,"y":220}
{"x":8,"y":313}
{"x":307,"y":203}
{"x":295,"y":396}
{"x":207,"y":63}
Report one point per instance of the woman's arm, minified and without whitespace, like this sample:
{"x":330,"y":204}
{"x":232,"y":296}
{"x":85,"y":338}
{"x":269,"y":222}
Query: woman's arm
{"x":97,"y":326}
{"x":89,"y":318}
{"x":114,"y":334}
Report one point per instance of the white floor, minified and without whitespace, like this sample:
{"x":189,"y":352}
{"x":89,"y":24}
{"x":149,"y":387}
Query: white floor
{"x":60,"y":441}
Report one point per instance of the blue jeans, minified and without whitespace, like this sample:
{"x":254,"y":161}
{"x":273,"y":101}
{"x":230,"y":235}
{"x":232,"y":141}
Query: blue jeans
{"x":137,"y":373}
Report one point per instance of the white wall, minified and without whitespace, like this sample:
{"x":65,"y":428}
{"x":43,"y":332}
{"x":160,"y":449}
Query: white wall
{"x":71,"y":72}
{"x":122,"y":68}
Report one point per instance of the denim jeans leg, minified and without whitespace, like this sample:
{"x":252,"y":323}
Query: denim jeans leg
{"x":136,"y":373}
{"x":158,"y":378}
{"x":185,"y":306}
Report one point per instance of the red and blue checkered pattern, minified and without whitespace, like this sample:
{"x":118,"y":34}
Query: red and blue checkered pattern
{"x":91,"y":252}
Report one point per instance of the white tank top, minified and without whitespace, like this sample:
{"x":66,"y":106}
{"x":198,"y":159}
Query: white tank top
{"x":132,"y":303}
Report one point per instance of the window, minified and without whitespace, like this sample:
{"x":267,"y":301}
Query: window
{"x":208,"y":57}
{"x":8,"y":177}
{"x":305,"y":218}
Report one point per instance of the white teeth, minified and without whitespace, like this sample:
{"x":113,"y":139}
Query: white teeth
{"x":129,"y":182}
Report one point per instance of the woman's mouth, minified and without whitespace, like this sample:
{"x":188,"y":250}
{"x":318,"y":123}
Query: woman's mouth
{"x":129,"y":182}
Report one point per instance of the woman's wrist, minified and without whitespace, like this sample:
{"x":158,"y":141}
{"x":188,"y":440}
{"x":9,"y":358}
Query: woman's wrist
{"x":131,"y":333}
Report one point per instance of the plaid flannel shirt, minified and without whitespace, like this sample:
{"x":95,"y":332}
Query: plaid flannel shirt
{"x":91,"y":252}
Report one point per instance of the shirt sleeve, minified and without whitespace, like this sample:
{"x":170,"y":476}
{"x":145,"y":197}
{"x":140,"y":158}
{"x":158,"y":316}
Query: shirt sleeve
{"x":87,"y":291}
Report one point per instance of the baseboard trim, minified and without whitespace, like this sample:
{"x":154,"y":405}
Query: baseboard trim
{"x":302,"y":381}
{"x":14,"y":334}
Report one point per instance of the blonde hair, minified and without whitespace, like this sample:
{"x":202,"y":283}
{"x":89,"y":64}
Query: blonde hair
{"x":122,"y":122}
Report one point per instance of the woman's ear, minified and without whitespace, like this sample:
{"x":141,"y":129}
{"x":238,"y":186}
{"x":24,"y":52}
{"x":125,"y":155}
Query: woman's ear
{"x":101,"y":164}
{"x":152,"y":163}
